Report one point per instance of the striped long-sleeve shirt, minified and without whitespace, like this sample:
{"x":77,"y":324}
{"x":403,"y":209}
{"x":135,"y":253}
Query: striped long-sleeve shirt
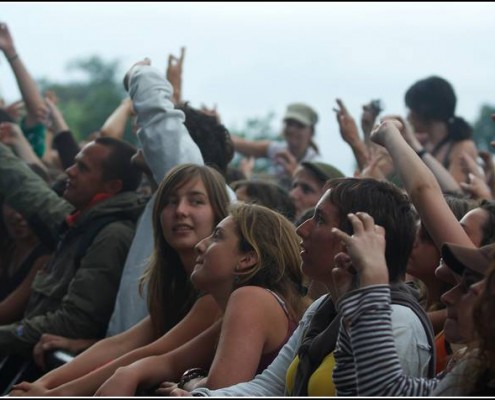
{"x":366,"y":354}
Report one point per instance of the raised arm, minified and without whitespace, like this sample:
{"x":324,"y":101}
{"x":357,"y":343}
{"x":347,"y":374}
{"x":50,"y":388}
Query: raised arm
{"x":11,"y":135}
{"x":174,"y":74}
{"x":30,"y":195}
{"x":63,"y":140}
{"x":33,"y":100}
{"x":163,"y":135}
{"x":421,"y":185}
{"x":444,"y":177}
{"x":114,"y":126}
{"x":350,"y":134}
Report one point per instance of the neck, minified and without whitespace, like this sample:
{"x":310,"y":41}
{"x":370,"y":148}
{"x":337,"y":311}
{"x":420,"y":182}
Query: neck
{"x":221,"y":294}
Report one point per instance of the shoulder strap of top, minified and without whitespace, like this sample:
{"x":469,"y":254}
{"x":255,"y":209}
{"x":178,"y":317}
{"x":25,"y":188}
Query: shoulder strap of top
{"x":280,"y":301}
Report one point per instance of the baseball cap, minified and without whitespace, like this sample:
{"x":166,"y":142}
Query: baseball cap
{"x":459,"y":258}
{"x":301,"y":113}
{"x":323,"y":171}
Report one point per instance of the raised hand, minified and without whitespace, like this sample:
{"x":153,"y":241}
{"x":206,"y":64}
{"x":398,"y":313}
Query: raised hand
{"x":174,"y":74}
{"x":365,"y":249}
{"x":145,"y":61}
{"x":386,"y":128}
{"x":347,"y":125}
{"x":6,"y":41}
{"x":369,"y":115}
{"x":407,"y":131}
{"x":212,"y":112}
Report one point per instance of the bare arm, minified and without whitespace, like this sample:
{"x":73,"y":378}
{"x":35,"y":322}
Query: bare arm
{"x":174,"y":74}
{"x":32,"y":97}
{"x":114,"y":126}
{"x":251,"y":148}
{"x":12,"y":136}
{"x":421,"y":185}
{"x":350,"y":134}
{"x":466,"y":147}
{"x":443,"y":176}
{"x":150,"y":371}
{"x":131,"y":346}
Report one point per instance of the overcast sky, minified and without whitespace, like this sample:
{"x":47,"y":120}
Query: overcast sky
{"x":253,"y":58}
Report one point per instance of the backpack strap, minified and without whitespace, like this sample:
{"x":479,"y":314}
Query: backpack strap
{"x":402,"y":295}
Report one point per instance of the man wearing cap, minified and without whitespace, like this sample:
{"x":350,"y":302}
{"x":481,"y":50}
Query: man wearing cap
{"x":298,"y":131}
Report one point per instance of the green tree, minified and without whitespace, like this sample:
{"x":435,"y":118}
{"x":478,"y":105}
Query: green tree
{"x":484,"y":128}
{"x":86,"y":103}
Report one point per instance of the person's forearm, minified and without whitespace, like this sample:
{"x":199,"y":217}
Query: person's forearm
{"x":360,"y":153}
{"x":445,"y":179}
{"x":414,"y":174}
{"x":24,"y":151}
{"x":115,"y":124}
{"x":27,"y":86}
{"x":250,"y":148}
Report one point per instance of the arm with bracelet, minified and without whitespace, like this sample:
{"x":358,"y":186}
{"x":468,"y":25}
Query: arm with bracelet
{"x":444,"y":178}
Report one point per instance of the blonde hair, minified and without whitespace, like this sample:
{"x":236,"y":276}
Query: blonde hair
{"x":170,"y":293}
{"x":274,"y":240}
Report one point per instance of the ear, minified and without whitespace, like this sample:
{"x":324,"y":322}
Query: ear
{"x":113,"y":186}
{"x":246,"y":263}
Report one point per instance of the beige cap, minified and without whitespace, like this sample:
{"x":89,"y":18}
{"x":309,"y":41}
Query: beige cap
{"x":301,"y":113}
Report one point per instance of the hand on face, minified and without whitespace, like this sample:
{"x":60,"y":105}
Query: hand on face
{"x":365,"y":249}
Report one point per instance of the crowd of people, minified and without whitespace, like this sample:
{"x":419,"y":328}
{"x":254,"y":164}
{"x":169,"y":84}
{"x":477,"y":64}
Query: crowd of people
{"x":162,"y":270}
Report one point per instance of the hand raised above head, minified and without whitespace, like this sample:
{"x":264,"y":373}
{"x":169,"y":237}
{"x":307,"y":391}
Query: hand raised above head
{"x":369,"y":115}
{"x":386,"y":128}
{"x":6,"y":41}
{"x":348,"y":128}
{"x":145,"y":61}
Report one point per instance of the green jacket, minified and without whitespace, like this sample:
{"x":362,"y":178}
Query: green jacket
{"x":68,"y":300}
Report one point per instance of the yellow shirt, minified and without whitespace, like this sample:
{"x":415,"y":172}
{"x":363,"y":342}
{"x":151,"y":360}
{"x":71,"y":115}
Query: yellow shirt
{"x":320,"y":383}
